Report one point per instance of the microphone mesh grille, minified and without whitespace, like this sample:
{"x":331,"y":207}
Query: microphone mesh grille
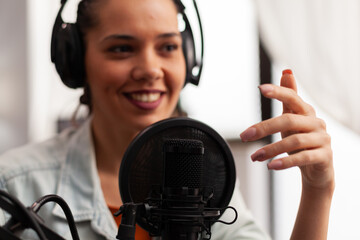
{"x":183,"y":163}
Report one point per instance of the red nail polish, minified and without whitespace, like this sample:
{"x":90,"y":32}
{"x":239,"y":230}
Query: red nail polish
{"x":287,"y":71}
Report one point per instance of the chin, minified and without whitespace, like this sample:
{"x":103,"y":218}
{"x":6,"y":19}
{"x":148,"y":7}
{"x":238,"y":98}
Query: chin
{"x":149,"y":121}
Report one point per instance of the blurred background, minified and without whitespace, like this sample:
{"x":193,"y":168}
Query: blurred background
{"x":247,"y":42}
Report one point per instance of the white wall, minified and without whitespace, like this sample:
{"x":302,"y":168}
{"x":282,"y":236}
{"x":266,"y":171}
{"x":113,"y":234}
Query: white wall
{"x":13,"y":74}
{"x":227,"y":98}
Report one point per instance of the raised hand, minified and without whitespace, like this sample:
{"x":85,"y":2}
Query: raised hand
{"x":304,"y":136}
{"x":308,"y":145}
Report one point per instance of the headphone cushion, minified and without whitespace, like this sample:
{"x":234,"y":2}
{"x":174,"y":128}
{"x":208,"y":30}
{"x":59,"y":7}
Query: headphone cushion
{"x":69,"y":57}
{"x":189,"y":54}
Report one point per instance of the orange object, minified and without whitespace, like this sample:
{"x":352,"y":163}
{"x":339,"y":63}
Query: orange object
{"x":287,"y":71}
{"x":140,"y":234}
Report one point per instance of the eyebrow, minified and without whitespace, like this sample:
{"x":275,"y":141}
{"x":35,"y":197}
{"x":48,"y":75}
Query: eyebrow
{"x":118,"y":36}
{"x":130,"y":37}
{"x":169,"y":35}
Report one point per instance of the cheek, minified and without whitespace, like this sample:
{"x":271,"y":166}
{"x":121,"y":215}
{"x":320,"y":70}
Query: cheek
{"x":105,"y":74}
{"x":175,"y":85}
{"x":178,"y":74}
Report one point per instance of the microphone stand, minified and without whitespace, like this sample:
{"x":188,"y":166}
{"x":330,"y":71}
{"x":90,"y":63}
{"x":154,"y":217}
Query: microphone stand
{"x":127,"y":227}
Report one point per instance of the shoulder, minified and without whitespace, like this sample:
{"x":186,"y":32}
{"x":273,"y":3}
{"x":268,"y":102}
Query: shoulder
{"x":34,"y":157}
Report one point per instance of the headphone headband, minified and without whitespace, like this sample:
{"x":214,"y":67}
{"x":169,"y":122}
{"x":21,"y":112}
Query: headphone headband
{"x":57,"y":26}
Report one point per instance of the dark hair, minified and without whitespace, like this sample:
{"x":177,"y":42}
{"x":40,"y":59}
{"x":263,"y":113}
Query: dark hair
{"x":86,"y":20}
{"x":86,"y":15}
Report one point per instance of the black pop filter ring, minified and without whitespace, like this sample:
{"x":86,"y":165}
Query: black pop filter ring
{"x":142,"y":164}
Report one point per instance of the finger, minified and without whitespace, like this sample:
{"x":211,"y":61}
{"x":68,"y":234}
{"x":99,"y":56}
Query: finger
{"x":288,"y":81}
{"x":292,"y":103}
{"x":285,"y":123}
{"x":319,"y":156}
{"x":293,"y":143}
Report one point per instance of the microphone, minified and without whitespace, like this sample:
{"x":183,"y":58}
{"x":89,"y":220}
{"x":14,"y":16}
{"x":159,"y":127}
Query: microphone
{"x":183,"y":200}
{"x":176,"y":179}
{"x":177,"y":210}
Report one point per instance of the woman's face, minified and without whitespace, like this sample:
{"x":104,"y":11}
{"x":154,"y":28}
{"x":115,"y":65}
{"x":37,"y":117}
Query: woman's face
{"x":134,"y":62}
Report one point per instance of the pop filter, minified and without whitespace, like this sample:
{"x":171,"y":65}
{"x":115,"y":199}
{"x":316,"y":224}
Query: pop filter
{"x":142,"y":166}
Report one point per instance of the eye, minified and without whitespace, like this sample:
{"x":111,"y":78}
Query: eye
{"x":124,"y":48}
{"x":170,"y":47}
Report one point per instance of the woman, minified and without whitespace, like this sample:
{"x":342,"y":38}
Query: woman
{"x":134,"y":72}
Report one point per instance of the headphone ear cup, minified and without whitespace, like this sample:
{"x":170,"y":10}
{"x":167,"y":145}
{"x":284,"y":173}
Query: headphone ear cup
{"x":68,"y":55}
{"x":190,"y":56}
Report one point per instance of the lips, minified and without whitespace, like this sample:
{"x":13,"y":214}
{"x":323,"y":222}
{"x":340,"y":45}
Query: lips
{"x":146,"y":100}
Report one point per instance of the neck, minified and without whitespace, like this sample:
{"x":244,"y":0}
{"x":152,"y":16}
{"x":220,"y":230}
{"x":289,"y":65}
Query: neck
{"x":110,"y":143}
{"x":110,"y":146}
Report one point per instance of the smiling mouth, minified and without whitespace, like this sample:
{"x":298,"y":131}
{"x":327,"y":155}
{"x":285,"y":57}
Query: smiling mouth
{"x":146,"y":100}
{"x":145,"y":97}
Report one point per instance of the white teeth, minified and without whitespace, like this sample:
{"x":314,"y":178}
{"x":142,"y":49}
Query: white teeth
{"x":145,"y":97}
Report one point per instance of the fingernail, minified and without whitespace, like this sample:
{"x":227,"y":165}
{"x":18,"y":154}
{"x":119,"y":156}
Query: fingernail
{"x":287,"y":71}
{"x":275,"y":164}
{"x":266,"y":88}
{"x":258,"y":155}
{"x":248,"y":134}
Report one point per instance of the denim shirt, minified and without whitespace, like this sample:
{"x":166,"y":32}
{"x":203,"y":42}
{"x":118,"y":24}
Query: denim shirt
{"x":65,"y":165}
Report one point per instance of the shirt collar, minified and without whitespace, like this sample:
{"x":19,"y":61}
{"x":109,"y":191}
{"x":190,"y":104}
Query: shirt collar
{"x":79,"y":183}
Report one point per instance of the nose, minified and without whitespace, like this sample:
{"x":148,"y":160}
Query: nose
{"x":147,"y":67}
